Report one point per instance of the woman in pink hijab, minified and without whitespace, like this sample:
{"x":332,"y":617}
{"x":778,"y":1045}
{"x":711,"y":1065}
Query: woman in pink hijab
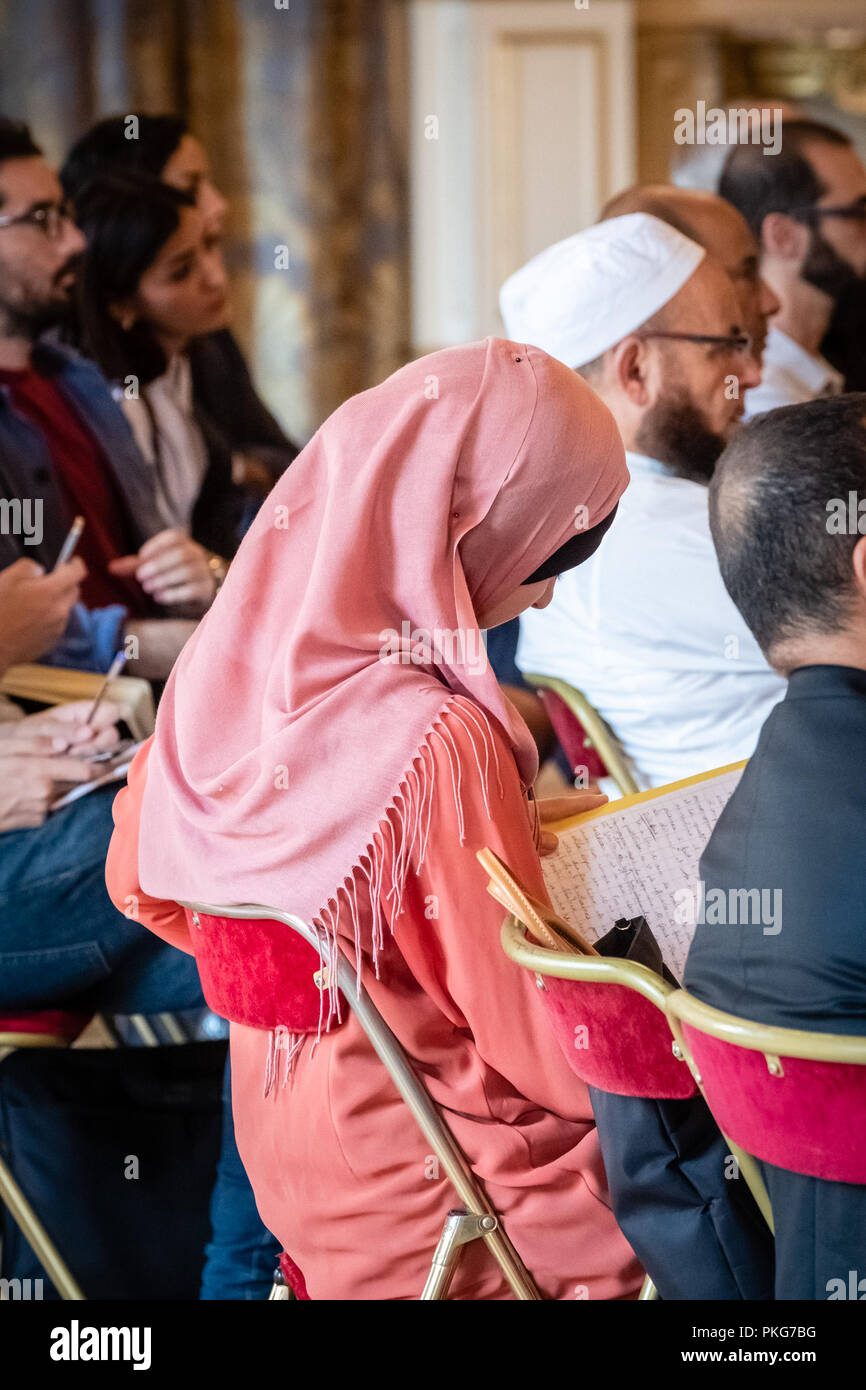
{"x":333,"y":742}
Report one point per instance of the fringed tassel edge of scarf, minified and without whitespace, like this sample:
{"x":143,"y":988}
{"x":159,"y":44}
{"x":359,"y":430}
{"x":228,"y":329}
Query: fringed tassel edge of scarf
{"x":406,"y":823}
{"x":281,"y":1041}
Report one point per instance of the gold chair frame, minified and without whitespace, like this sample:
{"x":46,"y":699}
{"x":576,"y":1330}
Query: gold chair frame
{"x":476,"y":1219}
{"x":775,"y":1043}
{"x":599,"y":734}
{"x":666,"y":997}
{"x":679,"y":1006}
{"x":593,"y":969}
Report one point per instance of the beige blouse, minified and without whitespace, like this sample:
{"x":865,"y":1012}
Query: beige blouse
{"x":169,"y":437}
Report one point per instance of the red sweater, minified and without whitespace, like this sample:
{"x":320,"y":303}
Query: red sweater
{"x":88,"y":484}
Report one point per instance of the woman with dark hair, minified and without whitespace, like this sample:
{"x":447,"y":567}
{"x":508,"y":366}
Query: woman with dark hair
{"x":164,"y":147}
{"x":149,"y":284}
{"x":147,"y":288}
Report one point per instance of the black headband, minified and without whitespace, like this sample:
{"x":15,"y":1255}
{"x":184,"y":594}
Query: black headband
{"x":579,"y":548}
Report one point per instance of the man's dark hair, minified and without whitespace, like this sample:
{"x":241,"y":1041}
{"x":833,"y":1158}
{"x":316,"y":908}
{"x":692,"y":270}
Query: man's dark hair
{"x":107,"y":149}
{"x":16,"y":142}
{"x":126,"y":222}
{"x":759,"y":184}
{"x":773,"y":497}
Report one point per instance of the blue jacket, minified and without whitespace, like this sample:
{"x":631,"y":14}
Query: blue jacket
{"x":26,"y":472}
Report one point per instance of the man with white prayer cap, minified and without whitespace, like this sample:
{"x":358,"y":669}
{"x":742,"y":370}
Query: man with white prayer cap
{"x":724,"y":234}
{"x":645,"y":628}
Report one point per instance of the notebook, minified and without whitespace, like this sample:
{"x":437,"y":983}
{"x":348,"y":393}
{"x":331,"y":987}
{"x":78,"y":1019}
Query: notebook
{"x":56,"y":685}
{"x":638,"y":857}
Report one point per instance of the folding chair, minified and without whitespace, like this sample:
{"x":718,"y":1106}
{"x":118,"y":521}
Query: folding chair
{"x":49,"y":1028}
{"x":475,"y":1218}
{"x":584,"y":734}
{"x":631,"y":1053}
{"x":794,"y":1099}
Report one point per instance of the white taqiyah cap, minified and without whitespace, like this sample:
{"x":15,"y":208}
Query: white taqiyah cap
{"x":584,"y":294}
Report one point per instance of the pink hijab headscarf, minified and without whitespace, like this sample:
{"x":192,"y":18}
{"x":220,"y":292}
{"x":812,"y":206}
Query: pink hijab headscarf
{"x":289,"y":751}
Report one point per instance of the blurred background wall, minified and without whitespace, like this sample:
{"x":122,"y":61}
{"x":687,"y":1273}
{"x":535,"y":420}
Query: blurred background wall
{"x":302,"y":110}
{"x":412,"y":153}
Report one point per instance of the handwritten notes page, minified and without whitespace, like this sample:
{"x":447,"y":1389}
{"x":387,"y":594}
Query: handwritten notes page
{"x":634,"y":858}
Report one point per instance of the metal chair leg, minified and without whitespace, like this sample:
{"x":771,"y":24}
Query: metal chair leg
{"x":280,"y":1290}
{"x":37,"y":1237}
{"x":173,"y":1028}
{"x":144,"y":1029}
{"x":755,"y":1183}
{"x":460,"y":1228}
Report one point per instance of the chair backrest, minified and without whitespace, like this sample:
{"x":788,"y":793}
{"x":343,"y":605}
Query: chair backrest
{"x":608,"y":1016}
{"x":793,"y":1098}
{"x":592,"y":732}
{"x":574,"y":741}
{"x":428,"y":1117}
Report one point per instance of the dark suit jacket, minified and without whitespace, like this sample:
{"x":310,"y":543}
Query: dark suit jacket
{"x":796,"y":823}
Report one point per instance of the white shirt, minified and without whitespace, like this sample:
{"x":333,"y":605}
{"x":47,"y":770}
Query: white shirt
{"x":647,"y":631}
{"x":791,"y":375}
{"x":168,"y":435}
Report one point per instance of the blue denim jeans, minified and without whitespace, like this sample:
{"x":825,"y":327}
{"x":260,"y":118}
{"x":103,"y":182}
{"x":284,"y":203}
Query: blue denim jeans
{"x":242,"y":1255}
{"x":62,"y":941}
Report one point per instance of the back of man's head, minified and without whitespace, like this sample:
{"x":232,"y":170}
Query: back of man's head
{"x":660,"y":200}
{"x":16,"y":142}
{"x":780,"y":508}
{"x":699,"y":165}
{"x":759,"y":184}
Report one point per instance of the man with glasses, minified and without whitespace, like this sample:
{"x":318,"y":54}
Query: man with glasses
{"x":722,"y":231}
{"x":807,"y":207}
{"x":67,"y":450}
{"x":645,"y":627}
